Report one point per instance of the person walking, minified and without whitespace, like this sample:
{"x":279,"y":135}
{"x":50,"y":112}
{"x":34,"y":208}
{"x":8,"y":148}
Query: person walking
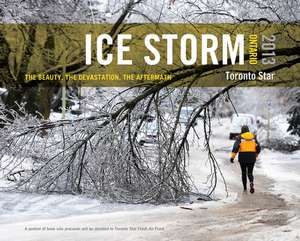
{"x":248,"y":148}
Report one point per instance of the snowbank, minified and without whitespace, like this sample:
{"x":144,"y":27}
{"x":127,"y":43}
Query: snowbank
{"x":284,"y":169}
{"x":16,"y":207}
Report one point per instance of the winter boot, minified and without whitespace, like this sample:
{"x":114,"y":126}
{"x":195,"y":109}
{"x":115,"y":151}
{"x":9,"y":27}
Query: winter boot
{"x":252,"y":190}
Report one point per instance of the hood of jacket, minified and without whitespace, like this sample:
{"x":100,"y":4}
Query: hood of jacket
{"x":247,"y":136}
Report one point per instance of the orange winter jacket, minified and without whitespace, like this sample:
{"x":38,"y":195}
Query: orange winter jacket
{"x":247,"y":146}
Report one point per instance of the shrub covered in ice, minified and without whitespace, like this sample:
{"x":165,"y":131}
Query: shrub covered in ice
{"x":279,"y":138}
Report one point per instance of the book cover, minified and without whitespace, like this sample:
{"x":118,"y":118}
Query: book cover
{"x":145,"y":120}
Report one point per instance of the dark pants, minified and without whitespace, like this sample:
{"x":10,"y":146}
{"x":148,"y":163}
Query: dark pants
{"x":247,"y":169}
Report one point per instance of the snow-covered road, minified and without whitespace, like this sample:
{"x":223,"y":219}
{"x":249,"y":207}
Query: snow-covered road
{"x":262,"y":216}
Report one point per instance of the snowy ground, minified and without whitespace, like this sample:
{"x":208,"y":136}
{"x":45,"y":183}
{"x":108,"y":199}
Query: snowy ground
{"x":20,"y":207}
{"x":284,"y":169}
{"x":272,"y":213}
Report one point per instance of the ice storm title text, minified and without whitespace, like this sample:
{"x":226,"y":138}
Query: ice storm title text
{"x":189,"y":48}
